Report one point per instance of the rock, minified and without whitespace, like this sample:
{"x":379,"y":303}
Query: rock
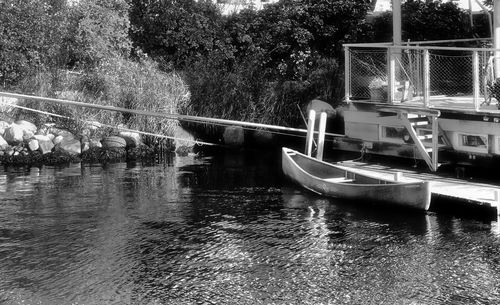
{"x":3,"y":125}
{"x":133,"y":139}
{"x":57,"y":140}
{"x":14,"y":134}
{"x":61,"y":132}
{"x":94,"y":143}
{"x":45,"y":143}
{"x":85,"y":145}
{"x":71,"y":146}
{"x":182,"y":145}
{"x":26,"y":126}
{"x":114,"y":142}
{"x":27,"y":135}
{"x":33,"y":145}
{"x":44,"y":130}
{"x":234,"y":135}
{"x":93,"y":125}
{"x":320,"y":106}
{"x":3,"y":144}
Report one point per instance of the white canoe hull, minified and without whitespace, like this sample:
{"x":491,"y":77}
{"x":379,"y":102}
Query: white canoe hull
{"x":330,"y":180}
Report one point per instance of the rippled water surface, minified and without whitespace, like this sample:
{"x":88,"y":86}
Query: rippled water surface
{"x":226,"y":229}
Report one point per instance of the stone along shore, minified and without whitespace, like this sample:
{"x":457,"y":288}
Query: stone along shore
{"x":22,"y":142}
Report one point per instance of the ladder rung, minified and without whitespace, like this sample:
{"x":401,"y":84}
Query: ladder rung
{"x":425,"y":137}
{"x":418,"y":119}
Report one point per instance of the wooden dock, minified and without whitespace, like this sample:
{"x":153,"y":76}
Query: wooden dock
{"x":470,"y":192}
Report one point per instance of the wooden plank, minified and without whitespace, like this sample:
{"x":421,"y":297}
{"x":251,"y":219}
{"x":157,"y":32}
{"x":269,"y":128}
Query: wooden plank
{"x":474,"y":193}
{"x":408,"y":109}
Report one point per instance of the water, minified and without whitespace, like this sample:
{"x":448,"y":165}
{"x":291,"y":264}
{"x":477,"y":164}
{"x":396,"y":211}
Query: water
{"x":226,"y":229}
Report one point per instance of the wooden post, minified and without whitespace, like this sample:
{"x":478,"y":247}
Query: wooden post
{"x":398,"y":176}
{"x":310,"y":132}
{"x":321,"y":136}
{"x":475,"y":79}
{"x":347,"y":76}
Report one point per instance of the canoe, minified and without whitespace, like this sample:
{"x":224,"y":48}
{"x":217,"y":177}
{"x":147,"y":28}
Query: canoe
{"x":332,"y":180}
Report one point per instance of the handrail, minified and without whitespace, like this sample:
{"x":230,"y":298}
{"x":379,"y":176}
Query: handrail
{"x":402,"y":47}
{"x":446,"y":41}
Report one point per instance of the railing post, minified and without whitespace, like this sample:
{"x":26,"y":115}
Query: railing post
{"x":310,"y":132}
{"x":435,"y":142}
{"x":321,"y":136}
{"x":347,"y":76}
{"x":427,"y":78}
{"x":391,"y":75}
{"x":475,"y":79}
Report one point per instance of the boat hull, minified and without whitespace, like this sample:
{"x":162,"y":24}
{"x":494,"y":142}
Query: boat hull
{"x":320,"y":177}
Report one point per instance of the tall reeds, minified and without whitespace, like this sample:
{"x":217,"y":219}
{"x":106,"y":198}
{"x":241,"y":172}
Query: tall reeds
{"x":117,"y":82}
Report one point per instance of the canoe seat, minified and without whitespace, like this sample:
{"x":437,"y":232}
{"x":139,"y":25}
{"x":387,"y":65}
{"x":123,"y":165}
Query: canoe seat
{"x":338,"y":180}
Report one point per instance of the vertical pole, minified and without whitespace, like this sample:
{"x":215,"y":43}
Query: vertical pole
{"x":347,"y":76}
{"x":321,"y":136}
{"x":396,"y":52}
{"x":398,"y":176}
{"x":396,"y":22}
{"x":435,"y":141}
{"x":475,"y":79}
{"x":391,"y":73}
{"x":496,"y":36}
{"x":310,"y":132}
{"x":427,"y":78}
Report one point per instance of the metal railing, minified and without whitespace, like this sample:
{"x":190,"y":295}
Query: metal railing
{"x":430,"y":75}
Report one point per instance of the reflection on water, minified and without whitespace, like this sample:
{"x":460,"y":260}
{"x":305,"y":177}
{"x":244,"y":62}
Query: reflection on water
{"x":226,"y":229}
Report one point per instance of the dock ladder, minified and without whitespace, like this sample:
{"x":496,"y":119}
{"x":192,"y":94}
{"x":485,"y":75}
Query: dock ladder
{"x":423,"y":129}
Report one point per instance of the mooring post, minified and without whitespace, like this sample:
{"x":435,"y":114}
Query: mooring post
{"x":321,"y":136}
{"x":398,"y":176}
{"x":496,"y":198}
{"x":310,"y":132}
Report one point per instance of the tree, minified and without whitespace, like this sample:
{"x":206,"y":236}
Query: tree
{"x":31,"y":34}
{"x":99,"y":30}
{"x":294,"y":33}
{"x":174,"y":32}
{"x":430,"y":20}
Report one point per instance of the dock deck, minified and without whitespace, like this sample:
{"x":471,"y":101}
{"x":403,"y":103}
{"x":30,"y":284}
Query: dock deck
{"x":466,"y":191}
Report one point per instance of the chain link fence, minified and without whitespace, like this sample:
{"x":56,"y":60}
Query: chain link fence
{"x":451,"y":74}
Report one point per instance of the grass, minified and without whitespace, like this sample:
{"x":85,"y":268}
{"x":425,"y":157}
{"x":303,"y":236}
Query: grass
{"x":118,"y":82}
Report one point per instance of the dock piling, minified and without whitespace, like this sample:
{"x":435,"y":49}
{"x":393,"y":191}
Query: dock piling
{"x":310,"y":132}
{"x":321,"y":136}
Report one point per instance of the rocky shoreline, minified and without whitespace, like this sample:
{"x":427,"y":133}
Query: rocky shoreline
{"x":24,"y":143}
